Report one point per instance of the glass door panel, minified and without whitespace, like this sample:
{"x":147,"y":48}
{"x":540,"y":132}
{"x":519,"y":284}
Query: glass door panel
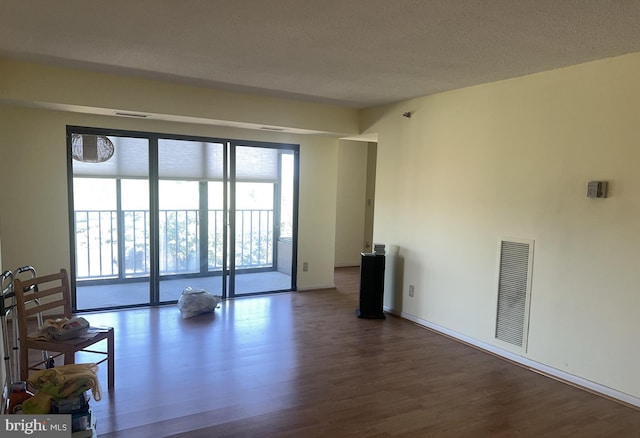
{"x":216,"y":228}
{"x":286,"y":219}
{"x":186,"y":235}
{"x":179,"y":218}
{"x":262,"y":262}
{"x":254,"y":225}
{"x":111,"y":220}
{"x":135,"y":213}
{"x":96,"y":236}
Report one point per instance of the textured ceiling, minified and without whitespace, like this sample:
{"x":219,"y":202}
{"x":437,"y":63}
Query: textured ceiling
{"x":356,"y":53}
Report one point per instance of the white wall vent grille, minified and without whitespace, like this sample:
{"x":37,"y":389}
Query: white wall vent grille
{"x":514,"y":290}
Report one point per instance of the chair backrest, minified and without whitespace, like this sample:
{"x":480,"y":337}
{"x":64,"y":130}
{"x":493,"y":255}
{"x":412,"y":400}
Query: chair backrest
{"x":48,"y":294}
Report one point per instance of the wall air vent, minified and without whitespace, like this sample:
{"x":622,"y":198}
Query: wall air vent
{"x":271,"y":128}
{"x":139,"y":116}
{"x":514,"y":291}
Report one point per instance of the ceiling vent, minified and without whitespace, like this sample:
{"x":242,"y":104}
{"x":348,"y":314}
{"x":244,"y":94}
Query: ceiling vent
{"x":514,"y":291}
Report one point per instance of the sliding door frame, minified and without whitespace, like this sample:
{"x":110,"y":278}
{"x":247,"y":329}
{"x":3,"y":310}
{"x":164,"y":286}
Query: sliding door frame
{"x":232,"y":180}
{"x":227,"y":274}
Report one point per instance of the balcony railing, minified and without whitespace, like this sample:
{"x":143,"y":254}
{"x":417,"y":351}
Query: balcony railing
{"x":99,"y":254}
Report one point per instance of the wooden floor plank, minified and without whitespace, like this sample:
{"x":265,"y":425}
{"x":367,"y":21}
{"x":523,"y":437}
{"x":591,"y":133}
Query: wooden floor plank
{"x":302,"y":365}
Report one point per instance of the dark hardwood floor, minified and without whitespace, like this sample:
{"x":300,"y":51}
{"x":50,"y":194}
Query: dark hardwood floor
{"x":302,"y":365}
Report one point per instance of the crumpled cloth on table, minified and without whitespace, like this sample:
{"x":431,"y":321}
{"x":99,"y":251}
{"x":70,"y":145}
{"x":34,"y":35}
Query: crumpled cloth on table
{"x":44,"y":333}
{"x":60,"y":383}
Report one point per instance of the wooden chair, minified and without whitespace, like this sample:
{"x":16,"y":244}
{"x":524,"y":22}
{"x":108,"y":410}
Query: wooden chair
{"x":51,"y":294}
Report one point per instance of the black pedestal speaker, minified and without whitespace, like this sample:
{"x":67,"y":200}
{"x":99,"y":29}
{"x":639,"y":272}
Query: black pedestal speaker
{"x":371,"y":286}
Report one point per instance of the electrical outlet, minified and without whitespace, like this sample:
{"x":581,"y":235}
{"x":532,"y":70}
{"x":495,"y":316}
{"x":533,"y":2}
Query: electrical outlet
{"x":411,"y":290}
{"x":305,"y":266}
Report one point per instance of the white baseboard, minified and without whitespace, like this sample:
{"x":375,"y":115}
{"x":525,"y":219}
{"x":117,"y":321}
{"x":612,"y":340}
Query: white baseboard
{"x":532,"y":365}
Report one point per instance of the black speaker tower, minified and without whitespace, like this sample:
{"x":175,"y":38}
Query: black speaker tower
{"x":371,"y":286}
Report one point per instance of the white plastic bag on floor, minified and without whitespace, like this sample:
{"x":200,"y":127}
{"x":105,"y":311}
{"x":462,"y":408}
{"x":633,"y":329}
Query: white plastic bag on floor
{"x":194,"y":302}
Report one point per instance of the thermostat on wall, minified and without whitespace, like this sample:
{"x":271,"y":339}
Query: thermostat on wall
{"x":597,"y":189}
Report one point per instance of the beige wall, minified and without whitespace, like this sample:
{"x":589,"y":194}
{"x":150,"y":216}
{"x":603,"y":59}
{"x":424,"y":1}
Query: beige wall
{"x":351,"y":202}
{"x":34,"y":215}
{"x":101,"y":93}
{"x":318,"y":177}
{"x":512,"y":159}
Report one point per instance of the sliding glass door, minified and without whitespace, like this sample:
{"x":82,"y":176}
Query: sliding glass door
{"x":261,"y":199}
{"x":110,"y":215}
{"x":191,"y":181}
{"x":208,"y":214}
